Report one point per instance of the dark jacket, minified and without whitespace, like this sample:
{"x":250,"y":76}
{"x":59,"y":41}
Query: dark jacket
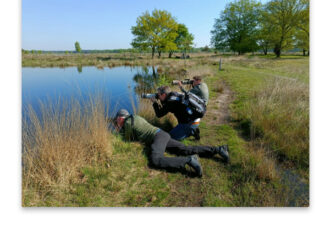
{"x":173,"y":104}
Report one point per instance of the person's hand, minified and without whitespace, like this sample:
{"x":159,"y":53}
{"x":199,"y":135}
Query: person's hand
{"x":180,"y":83}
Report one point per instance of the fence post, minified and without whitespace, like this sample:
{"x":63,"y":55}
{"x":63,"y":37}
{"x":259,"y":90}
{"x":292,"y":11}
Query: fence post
{"x":220,"y":63}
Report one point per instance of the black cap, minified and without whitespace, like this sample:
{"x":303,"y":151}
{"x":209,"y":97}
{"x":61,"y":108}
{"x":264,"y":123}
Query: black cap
{"x":122,"y":113}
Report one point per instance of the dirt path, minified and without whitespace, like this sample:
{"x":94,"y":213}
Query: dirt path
{"x":218,"y":108}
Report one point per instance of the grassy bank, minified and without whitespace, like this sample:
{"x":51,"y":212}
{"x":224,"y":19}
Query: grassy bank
{"x":272,"y":105}
{"x":70,"y":164}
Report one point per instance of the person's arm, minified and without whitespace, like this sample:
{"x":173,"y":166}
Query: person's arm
{"x":183,"y":90}
{"x":181,"y":87}
{"x":160,"y":111}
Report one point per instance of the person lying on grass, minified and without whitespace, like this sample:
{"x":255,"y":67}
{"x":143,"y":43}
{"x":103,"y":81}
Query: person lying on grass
{"x":134,"y":127}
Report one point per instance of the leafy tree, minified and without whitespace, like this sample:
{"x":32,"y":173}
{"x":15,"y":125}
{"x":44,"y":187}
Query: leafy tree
{"x":183,"y":41}
{"x":302,"y":33}
{"x":284,"y":16}
{"x":205,"y":49}
{"x":236,"y":29}
{"x":25,"y":51}
{"x":264,"y":37}
{"x":156,"y":31}
{"x":77,"y":46}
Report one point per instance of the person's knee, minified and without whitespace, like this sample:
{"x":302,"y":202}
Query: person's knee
{"x":173,"y":132}
{"x":177,"y":134}
{"x":178,"y":138}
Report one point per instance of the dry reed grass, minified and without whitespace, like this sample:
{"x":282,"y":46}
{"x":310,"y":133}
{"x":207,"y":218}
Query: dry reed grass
{"x":200,"y":70}
{"x":58,"y":143}
{"x":264,"y":162}
{"x":281,"y":109}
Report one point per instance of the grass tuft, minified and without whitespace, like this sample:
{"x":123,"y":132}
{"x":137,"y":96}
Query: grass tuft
{"x":58,"y":143}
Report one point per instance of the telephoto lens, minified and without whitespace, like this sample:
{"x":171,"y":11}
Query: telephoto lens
{"x":184,"y":82}
{"x":149,"y":95}
{"x":187,"y":81}
{"x":175,"y":82}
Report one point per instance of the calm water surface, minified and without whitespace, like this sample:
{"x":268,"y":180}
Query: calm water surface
{"x":120,"y":84}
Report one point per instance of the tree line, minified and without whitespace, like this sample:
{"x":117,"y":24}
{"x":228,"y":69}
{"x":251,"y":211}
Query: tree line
{"x":248,"y":26}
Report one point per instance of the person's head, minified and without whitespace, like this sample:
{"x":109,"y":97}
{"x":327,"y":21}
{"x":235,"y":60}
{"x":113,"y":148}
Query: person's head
{"x":120,"y":118}
{"x":197,"y":80}
{"x":163,"y":91}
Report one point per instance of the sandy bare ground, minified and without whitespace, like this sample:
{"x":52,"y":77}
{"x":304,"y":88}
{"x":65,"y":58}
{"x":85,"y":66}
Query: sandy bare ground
{"x":218,"y":112}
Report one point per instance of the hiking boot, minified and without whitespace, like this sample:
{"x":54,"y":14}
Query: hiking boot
{"x":223,"y":152}
{"x":194,"y":163}
{"x":196,"y":134}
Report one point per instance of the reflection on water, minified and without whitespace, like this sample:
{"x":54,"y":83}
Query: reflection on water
{"x":297,"y":190}
{"x":79,"y":69}
{"x":121,"y":85}
{"x":145,"y":81}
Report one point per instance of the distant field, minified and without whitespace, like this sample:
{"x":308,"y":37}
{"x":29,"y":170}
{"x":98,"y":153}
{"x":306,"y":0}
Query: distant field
{"x":267,"y":134}
{"x":99,"y":60}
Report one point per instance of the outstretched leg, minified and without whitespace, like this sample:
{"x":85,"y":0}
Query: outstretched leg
{"x":157,"y":153}
{"x":176,"y":147}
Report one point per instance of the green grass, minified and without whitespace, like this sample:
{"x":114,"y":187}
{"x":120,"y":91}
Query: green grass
{"x":272,"y":103}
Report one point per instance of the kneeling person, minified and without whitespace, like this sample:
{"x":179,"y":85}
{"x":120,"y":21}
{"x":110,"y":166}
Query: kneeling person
{"x":172,"y":102}
{"x":199,"y":88}
{"x":134,"y":127}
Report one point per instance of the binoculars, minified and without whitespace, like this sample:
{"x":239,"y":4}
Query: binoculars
{"x":184,"y":82}
{"x":149,"y":95}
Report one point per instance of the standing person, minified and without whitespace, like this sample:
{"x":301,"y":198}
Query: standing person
{"x":172,"y":102}
{"x":134,"y":127}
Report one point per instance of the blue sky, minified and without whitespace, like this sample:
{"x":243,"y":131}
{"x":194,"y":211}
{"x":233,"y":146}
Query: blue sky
{"x":106,"y":24}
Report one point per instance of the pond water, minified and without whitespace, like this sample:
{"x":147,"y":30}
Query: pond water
{"x":121,"y":85}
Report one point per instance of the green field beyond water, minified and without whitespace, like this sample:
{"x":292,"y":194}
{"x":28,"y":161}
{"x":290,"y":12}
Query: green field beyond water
{"x":267,"y":133}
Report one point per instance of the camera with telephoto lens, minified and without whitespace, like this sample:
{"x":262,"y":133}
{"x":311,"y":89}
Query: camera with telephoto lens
{"x":184,"y":82}
{"x":149,"y":95}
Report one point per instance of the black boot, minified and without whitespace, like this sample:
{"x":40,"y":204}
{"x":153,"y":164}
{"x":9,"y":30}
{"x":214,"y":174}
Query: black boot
{"x":223,"y":152}
{"x":194,"y":163}
{"x":196,"y":134}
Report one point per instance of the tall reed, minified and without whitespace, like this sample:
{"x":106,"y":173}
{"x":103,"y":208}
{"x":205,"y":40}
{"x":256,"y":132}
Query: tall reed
{"x":58,"y":142}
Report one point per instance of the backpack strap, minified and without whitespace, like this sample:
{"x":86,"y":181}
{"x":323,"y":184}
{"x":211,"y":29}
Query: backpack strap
{"x":132,"y":124}
{"x":130,"y":116}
